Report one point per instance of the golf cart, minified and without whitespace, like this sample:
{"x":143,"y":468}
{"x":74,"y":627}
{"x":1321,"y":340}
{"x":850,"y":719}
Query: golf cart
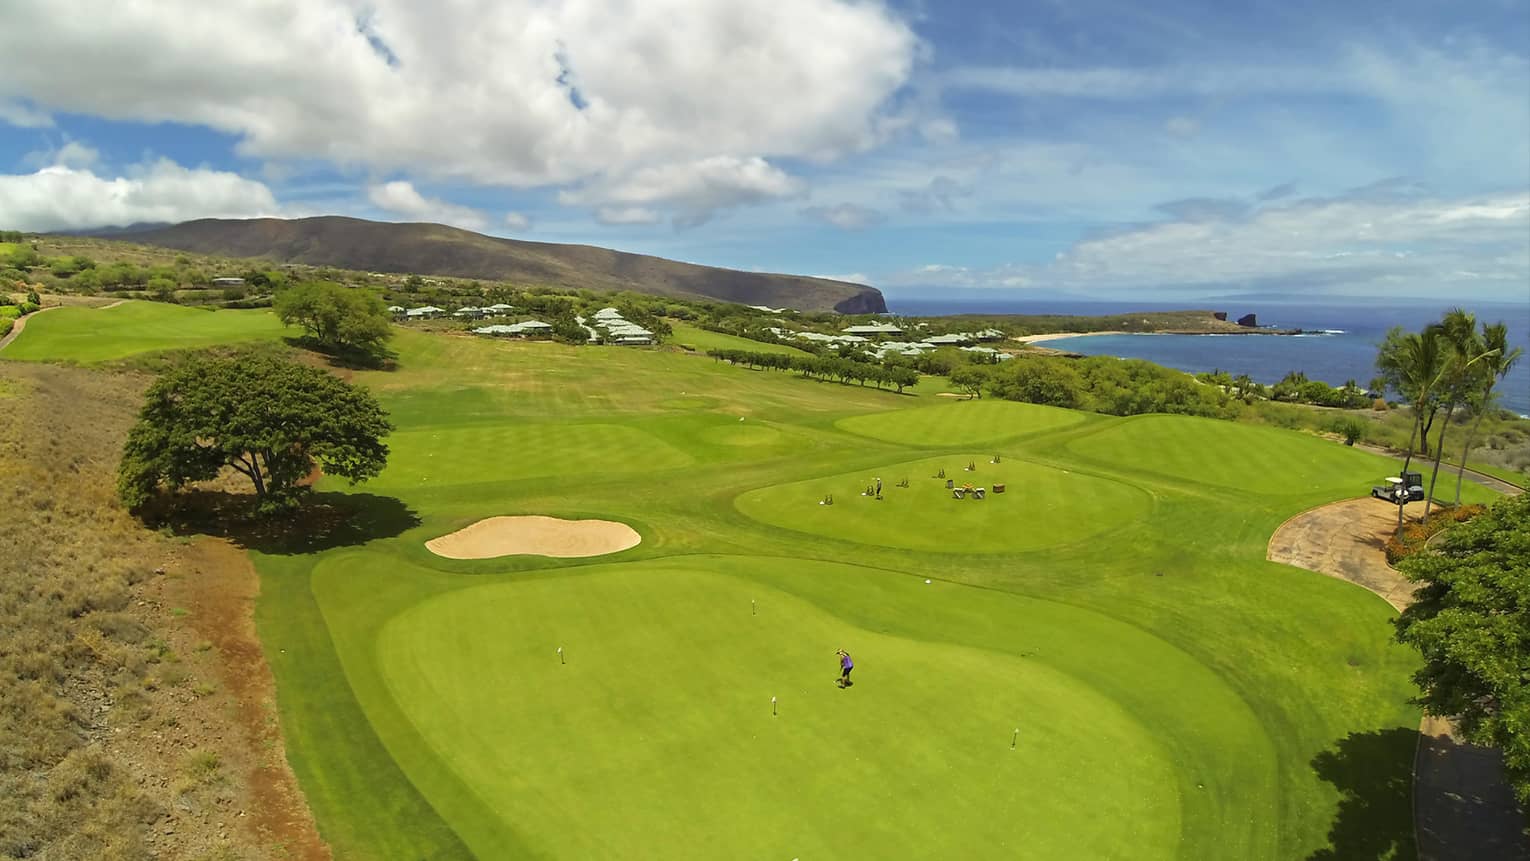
{"x":1409,"y":487}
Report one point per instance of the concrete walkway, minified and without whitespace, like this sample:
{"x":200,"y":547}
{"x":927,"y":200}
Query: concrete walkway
{"x":1462,"y":807}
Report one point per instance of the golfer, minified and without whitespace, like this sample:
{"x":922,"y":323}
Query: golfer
{"x":845,"y":666}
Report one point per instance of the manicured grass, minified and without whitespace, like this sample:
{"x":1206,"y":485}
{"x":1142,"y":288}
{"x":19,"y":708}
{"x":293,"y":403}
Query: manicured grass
{"x":1253,"y":460}
{"x":673,"y":660}
{"x":498,"y":453}
{"x":1042,"y":506}
{"x":961,"y":423}
{"x":702,"y":340}
{"x":1175,"y":692}
{"x":89,"y":335}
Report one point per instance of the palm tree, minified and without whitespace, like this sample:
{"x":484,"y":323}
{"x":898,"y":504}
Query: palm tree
{"x":1411,"y":363}
{"x":1463,"y":349}
{"x":1496,"y":364}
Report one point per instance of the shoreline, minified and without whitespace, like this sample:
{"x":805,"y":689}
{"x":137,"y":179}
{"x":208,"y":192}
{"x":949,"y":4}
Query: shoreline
{"x":1057,"y":336}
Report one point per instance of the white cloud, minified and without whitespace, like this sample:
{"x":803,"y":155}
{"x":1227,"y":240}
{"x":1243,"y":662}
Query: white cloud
{"x":17,"y":114}
{"x":695,"y":190}
{"x":1375,"y":240}
{"x":65,"y":198}
{"x":851,"y":277}
{"x":517,"y":221}
{"x":400,"y":198}
{"x":620,"y":215}
{"x":845,"y":216}
{"x":1182,"y":127}
{"x":506,"y":92}
{"x":71,"y":154}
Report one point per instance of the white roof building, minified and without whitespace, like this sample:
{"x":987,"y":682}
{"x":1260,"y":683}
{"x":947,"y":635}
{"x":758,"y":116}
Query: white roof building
{"x":952,"y":340}
{"x":530,"y":327}
{"x":987,"y":351}
{"x":424,"y":311}
{"x":873,"y":329}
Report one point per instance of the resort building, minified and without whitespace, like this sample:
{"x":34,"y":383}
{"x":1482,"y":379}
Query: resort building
{"x":527,"y":329}
{"x":873,"y":329}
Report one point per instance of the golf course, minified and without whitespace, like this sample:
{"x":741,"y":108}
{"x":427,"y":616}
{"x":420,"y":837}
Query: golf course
{"x":1096,"y":662}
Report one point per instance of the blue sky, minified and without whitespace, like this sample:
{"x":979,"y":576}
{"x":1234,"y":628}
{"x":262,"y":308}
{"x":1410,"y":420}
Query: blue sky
{"x":1092,"y":149}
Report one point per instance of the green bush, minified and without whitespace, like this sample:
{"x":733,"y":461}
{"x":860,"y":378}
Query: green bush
{"x":5,"y":326}
{"x":1352,"y":429}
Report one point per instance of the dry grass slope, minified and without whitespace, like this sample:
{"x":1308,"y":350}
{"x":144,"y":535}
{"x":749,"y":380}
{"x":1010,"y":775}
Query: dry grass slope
{"x":119,"y":736}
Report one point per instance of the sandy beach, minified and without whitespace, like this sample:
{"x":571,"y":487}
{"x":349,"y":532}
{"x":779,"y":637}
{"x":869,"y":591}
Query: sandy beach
{"x":1056,"y":336}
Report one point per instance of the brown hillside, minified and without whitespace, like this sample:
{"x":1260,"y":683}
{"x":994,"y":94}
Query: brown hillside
{"x":434,"y":249}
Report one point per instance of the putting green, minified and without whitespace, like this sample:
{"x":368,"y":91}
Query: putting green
{"x":961,"y":423}
{"x":1041,"y":506}
{"x":87,"y":335}
{"x":1257,"y":460}
{"x":657,"y":736}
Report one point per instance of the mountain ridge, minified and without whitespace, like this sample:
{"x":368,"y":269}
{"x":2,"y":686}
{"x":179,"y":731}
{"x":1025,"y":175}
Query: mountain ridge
{"x":437,"y":249}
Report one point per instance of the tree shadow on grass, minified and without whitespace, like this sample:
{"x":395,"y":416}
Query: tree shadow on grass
{"x":349,"y":359}
{"x":324,"y":521}
{"x":1373,"y":772}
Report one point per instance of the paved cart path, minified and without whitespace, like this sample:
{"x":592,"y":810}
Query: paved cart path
{"x":1462,"y":806}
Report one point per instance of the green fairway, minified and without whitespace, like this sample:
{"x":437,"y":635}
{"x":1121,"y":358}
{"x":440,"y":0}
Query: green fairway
{"x":702,"y":340}
{"x":493,"y":453}
{"x":89,"y":335}
{"x":1174,"y":691}
{"x":961,"y":423}
{"x":1040,"y":507}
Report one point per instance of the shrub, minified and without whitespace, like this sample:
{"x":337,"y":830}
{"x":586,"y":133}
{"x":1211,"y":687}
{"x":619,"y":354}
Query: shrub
{"x":1351,"y":428}
{"x":1412,"y":537}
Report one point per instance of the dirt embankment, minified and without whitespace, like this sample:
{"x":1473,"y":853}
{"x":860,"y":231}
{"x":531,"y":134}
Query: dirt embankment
{"x":147,"y":727}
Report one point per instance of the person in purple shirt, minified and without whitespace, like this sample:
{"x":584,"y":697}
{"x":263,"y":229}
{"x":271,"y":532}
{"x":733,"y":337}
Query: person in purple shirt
{"x":845,"y":666}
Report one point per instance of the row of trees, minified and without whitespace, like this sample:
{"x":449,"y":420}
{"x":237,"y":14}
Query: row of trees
{"x":1099,"y":383}
{"x":1452,"y":365}
{"x":844,"y":370}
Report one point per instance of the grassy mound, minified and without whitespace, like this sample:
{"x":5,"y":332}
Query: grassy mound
{"x":89,"y":335}
{"x":1041,"y":506}
{"x":961,"y":423}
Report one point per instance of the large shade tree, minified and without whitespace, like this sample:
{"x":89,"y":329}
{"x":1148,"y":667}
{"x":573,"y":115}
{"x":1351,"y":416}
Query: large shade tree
{"x":335,"y":317}
{"x":1471,"y":622}
{"x":268,"y":419}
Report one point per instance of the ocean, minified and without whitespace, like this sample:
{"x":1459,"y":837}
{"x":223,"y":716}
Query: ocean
{"x":1346,"y":350}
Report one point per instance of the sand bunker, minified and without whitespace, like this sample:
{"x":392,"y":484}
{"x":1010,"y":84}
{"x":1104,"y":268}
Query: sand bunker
{"x":534,"y":535}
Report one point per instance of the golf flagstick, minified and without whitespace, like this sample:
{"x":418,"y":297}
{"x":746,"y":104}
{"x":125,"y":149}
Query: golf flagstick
{"x":1016,"y":740}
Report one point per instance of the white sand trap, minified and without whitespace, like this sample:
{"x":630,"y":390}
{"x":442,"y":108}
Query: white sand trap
{"x":535,"y":535}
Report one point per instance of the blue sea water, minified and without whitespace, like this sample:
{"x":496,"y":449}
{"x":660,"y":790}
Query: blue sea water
{"x":1346,"y":352}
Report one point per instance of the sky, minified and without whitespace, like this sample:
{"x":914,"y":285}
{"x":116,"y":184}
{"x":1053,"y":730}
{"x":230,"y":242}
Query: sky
{"x":1080,"y":148}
